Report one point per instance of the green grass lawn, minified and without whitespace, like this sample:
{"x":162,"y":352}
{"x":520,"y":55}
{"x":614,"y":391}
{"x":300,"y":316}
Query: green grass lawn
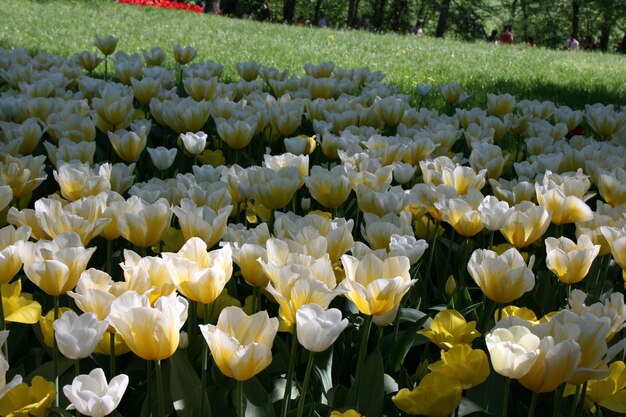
{"x":67,"y":26}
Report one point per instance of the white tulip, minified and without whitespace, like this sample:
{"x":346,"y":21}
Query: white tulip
{"x":194,"y":142}
{"x":92,"y":396}
{"x":513,"y":351}
{"x":77,"y":336}
{"x":4,"y":367}
{"x":318,"y":329}
{"x":162,"y":158}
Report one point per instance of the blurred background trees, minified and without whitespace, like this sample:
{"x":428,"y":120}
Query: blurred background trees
{"x":547,"y":22}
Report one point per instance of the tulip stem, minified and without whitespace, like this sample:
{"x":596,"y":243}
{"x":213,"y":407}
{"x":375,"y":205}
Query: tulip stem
{"x":290,"y":370}
{"x":192,"y":323}
{"x":505,"y":402}
{"x":241,"y":409}
{"x":55,"y":352}
{"x":557,"y":400}
{"x":149,"y":386}
{"x":533,"y":404}
{"x":305,"y":383}
{"x":159,"y":381}
{"x":205,"y":357}
{"x":365,"y":333}
{"x":109,"y":263}
{"x":574,"y":407}
{"x":256,"y":293}
{"x":112,"y":354}
{"x":583,"y":394}
{"x":5,"y":347}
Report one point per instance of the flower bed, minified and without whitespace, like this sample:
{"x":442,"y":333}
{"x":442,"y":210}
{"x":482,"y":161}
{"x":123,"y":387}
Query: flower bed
{"x":165,"y":4}
{"x":302,"y":245}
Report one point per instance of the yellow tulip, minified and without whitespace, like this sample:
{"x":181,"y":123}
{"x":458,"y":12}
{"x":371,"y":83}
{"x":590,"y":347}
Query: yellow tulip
{"x":22,"y":174}
{"x":468,"y":366}
{"x":514,"y":311}
{"x":609,"y":392}
{"x":246,"y":256}
{"x":502,"y":278}
{"x":570,"y":261}
{"x":198,"y":274}
{"x":148,"y":275}
{"x":83,"y":216}
{"x":526,"y":224}
{"x":500,"y":104}
{"x":347,"y":413}
{"x":55,"y":266}
{"x":449,"y":328}
{"x":113,"y":110}
{"x":437,"y":395}
{"x":202,"y":221}
{"x":375,"y":286}
{"x":564,"y":208}
{"x":555,"y":364}
{"x":241,"y":345}
{"x":106,"y":45}
{"x":10,"y":261}
{"x":45,"y":325}
{"x":152,"y":333}
{"x":184,"y":54}
{"x":292,"y":285}
{"x":24,"y":401}
{"x":19,"y":307}
{"x":104,"y":345}
{"x":143,"y":224}
{"x":273,"y":189}
{"x":330,"y":188}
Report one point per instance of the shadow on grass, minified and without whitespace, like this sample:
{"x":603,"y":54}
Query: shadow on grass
{"x":575,"y":96}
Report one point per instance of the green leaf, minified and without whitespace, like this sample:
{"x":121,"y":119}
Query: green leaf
{"x":185,"y":388}
{"x":56,"y":411}
{"x":258,"y":402}
{"x":405,"y":342}
{"x":468,"y":407}
{"x":410,"y":314}
{"x":46,"y":371}
{"x":368,"y":394}
{"x":323,"y":367}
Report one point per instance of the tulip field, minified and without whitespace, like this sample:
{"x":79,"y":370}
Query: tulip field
{"x":177,"y":242}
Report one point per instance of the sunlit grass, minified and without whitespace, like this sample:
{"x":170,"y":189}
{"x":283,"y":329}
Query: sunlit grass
{"x":67,"y":26}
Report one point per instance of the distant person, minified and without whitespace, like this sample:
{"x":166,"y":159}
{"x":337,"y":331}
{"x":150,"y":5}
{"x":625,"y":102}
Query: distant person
{"x":530,"y":41}
{"x":571,"y":43}
{"x":364,"y":24}
{"x":590,"y":43}
{"x":418,"y":29}
{"x":249,"y":14}
{"x":322,"y":21}
{"x":265,"y":14}
{"x":506,"y":37}
{"x":493,"y":38}
{"x":302,"y":21}
{"x":215,"y":7}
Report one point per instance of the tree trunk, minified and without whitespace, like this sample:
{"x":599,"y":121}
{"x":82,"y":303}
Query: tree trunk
{"x":399,"y":10}
{"x":379,"y":13}
{"x":513,"y":10}
{"x":318,"y":7}
{"x":605,"y":34}
{"x":575,"y":17}
{"x":442,"y":23}
{"x":289,"y":10}
{"x":353,"y":9}
{"x":524,"y":19}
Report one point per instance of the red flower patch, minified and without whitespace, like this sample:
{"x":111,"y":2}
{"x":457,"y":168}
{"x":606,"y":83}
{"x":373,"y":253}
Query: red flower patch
{"x":166,"y":4}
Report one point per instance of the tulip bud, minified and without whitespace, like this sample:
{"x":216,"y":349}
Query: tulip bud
{"x":305,"y":204}
{"x":183,"y":340}
{"x":450,"y":287}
